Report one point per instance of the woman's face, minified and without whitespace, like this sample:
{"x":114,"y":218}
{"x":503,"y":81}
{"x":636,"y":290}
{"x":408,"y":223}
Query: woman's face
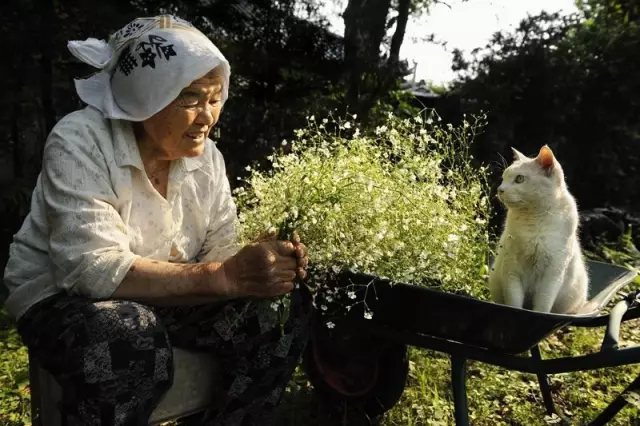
{"x":181,"y":128}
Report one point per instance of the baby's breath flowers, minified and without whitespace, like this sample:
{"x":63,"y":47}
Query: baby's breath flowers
{"x":402,"y":201}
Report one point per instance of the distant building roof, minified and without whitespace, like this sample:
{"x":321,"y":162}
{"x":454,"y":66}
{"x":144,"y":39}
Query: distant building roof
{"x":419,"y":89}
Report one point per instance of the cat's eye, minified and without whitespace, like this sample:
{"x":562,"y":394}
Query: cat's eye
{"x":519,"y":179}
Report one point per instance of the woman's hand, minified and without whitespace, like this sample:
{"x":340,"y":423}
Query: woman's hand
{"x":301,"y":256}
{"x":266,"y":268}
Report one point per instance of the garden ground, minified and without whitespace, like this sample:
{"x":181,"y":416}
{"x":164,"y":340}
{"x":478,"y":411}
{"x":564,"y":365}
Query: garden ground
{"x":496,"y":396}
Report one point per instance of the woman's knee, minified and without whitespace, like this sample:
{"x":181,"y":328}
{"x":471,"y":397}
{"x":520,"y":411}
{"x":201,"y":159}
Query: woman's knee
{"x":105,"y":354}
{"x":131,"y":331}
{"x":125,"y":321}
{"x":122,"y":336}
{"x":124,"y":363}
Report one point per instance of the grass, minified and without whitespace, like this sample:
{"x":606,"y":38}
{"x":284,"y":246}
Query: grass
{"x":496,"y":396}
{"x":14,"y":376}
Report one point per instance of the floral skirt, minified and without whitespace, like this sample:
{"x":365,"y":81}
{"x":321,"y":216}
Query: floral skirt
{"x":113,"y":358}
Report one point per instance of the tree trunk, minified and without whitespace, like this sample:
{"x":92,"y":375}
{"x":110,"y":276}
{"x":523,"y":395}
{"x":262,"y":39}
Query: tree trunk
{"x":398,"y":35}
{"x":365,"y":25}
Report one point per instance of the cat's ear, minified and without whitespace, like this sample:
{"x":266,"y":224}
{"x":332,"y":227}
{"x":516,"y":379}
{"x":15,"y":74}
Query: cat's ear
{"x":517,"y":155}
{"x":545,"y":159}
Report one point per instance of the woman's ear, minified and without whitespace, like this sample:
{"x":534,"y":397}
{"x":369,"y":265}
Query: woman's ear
{"x":545,"y":159}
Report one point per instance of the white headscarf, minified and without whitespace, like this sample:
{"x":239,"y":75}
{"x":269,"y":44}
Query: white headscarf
{"x":145,"y":65}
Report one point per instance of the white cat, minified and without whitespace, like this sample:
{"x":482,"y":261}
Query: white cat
{"x":539,"y":263}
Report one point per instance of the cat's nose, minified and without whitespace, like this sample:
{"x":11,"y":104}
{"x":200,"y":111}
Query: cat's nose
{"x":500,"y":190}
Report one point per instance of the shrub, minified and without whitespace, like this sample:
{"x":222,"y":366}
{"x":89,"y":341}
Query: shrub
{"x":403,"y":201}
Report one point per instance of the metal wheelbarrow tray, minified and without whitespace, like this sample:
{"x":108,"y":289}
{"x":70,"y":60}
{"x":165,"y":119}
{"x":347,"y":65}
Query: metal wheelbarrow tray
{"x":467,"y":328}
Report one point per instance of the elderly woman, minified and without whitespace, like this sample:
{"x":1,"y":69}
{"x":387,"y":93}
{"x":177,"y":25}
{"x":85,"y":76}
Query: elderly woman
{"x":130,"y":245}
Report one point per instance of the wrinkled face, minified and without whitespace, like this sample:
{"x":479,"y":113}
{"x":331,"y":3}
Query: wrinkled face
{"x":181,"y":128}
{"x":528,"y":184}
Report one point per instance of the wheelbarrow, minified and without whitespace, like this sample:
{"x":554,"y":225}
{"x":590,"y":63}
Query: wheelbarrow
{"x":465,"y":328}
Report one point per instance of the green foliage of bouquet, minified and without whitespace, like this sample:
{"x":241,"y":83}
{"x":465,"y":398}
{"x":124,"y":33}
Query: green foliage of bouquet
{"x":403,"y":201}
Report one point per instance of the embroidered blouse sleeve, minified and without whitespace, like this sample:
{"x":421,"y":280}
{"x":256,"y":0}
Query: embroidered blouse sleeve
{"x":221,"y":241}
{"x":88,"y":244}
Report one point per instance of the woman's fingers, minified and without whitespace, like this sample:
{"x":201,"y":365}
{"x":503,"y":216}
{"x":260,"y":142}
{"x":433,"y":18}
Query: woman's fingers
{"x":301,"y":273}
{"x":295,"y":238}
{"x":281,"y":263}
{"x":285,"y":287}
{"x":301,"y":255}
{"x":296,"y":264}
{"x":277,"y":288}
{"x":285,"y":248}
{"x":284,"y":275}
{"x":286,"y":263}
{"x":302,"y":262}
{"x":288,"y":248}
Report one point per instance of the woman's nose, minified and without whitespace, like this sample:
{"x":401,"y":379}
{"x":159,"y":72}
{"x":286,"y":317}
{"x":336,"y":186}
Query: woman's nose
{"x":205,"y":117}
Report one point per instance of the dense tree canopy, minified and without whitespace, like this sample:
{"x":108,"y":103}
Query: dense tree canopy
{"x":570,"y":82}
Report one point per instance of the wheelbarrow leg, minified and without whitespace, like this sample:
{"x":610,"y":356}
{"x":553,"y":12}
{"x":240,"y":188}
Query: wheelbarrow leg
{"x":544,"y":383}
{"x":616,"y":405}
{"x":459,"y":387}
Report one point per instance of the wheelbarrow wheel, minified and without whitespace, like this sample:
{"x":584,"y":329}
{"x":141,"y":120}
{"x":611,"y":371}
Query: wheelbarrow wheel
{"x":357,"y":378}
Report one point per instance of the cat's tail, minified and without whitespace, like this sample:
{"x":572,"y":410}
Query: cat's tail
{"x":591,"y":307}
{"x":600,"y":300}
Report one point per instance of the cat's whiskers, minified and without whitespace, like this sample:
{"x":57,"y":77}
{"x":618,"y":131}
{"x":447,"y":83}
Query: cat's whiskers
{"x":503,"y":163}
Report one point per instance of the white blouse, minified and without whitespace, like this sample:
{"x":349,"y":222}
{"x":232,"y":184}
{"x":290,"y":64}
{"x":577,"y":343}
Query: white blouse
{"x":94,"y":211}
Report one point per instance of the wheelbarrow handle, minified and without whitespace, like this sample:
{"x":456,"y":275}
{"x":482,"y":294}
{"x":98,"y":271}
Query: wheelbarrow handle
{"x":612,"y":335}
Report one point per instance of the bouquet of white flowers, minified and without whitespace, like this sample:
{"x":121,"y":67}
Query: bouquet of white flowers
{"x":403,"y":201}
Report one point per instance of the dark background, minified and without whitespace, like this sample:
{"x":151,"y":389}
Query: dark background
{"x":570,"y":82}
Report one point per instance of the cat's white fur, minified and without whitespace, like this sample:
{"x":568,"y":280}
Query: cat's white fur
{"x":539,"y":264}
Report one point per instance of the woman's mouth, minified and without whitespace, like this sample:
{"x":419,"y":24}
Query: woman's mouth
{"x":196,"y":137}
